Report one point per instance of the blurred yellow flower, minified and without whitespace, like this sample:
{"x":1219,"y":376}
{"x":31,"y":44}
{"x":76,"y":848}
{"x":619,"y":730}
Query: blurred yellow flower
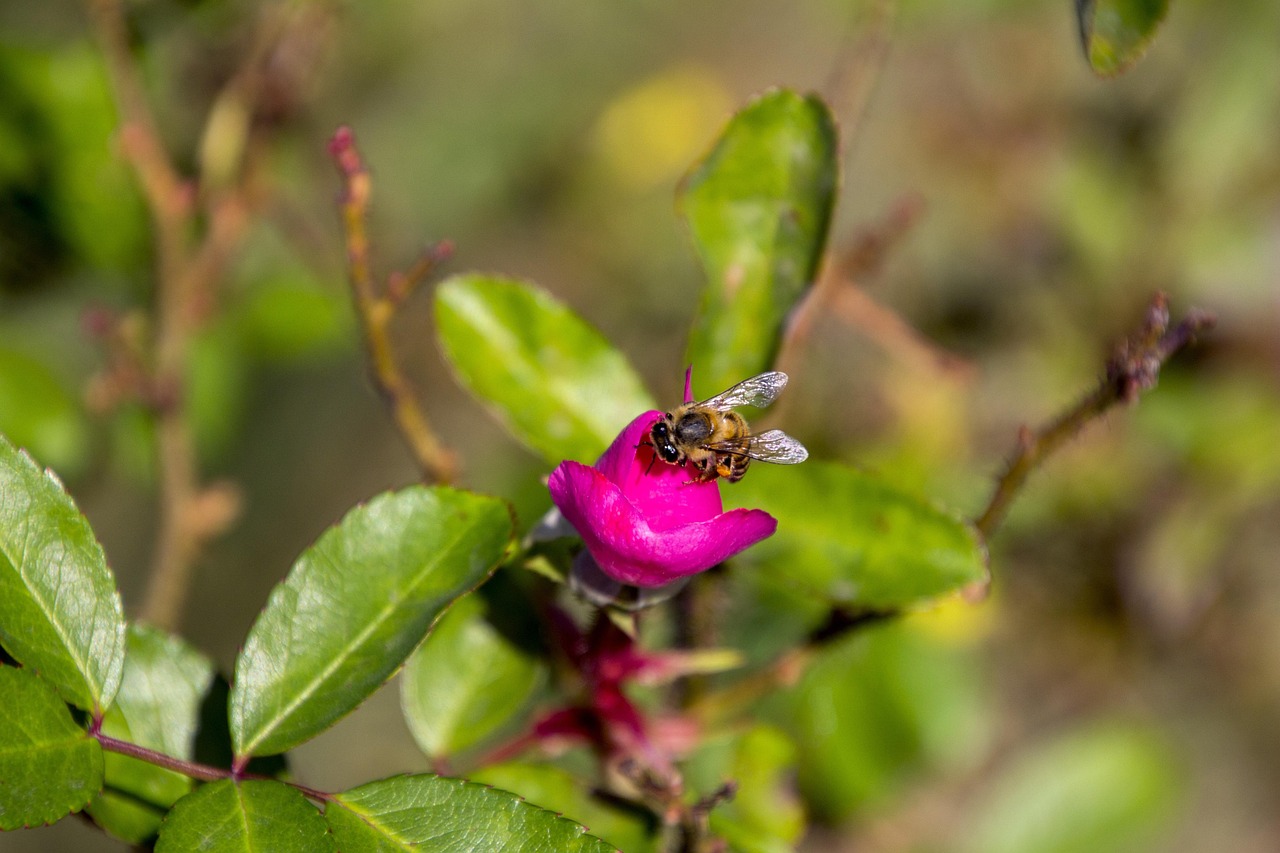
{"x":652,"y":131}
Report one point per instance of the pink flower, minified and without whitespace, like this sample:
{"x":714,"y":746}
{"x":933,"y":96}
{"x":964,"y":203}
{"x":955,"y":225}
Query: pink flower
{"x":643,"y":521}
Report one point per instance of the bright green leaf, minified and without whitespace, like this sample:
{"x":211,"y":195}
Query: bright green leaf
{"x":444,"y":815}
{"x":554,"y":381}
{"x":49,"y":766}
{"x":158,"y":706}
{"x":244,"y":817}
{"x":1106,"y":789}
{"x":631,"y":829}
{"x":1116,"y":33}
{"x":851,"y":539}
{"x":465,"y":681}
{"x":758,"y":208}
{"x":38,"y":413}
{"x":60,"y":614}
{"x":354,"y":606}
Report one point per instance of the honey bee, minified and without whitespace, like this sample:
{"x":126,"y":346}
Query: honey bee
{"x":717,"y":440}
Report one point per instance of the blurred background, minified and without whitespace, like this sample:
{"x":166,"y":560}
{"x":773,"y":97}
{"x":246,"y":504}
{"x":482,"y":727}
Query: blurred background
{"x":1119,"y":689}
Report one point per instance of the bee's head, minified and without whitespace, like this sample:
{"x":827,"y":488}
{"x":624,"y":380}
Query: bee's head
{"x":660,"y":436}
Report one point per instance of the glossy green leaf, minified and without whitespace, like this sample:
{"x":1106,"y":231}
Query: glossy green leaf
{"x":60,"y":614}
{"x":465,"y":681}
{"x":554,"y":381}
{"x":49,"y":766}
{"x":38,"y":413}
{"x":158,"y":706}
{"x":1106,"y":789}
{"x":448,"y":816}
{"x":854,"y":540}
{"x":1116,"y":33}
{"x":244,"y":817}
{"x":758,"y":207}
{"x":631,"y":829}
{"x":765,"y":814}
{"x":354,"y":606}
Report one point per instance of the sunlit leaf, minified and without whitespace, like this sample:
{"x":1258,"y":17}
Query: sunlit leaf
{"x":851,"y":539}
{"x":49,"y":766}
{"x":464,"y":681}
{"x":244,"y":817}
{"x":758,"y":207}
{"x":631,"y":829}
{"x":354,"y":606}
{"x":1107,"y":788}
{"x":157,"y":706}
{"x":449,"y":816}
{"x":554,"y":381}
{"x":1116,"y":33}
{"x":60,"y":614}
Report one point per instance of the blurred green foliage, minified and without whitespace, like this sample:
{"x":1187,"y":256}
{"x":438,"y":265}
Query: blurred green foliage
{"x":1134,"y":584}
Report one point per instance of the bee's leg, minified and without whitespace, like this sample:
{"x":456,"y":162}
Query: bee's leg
{"x":725,"y":469}
{"x":652,"y":459}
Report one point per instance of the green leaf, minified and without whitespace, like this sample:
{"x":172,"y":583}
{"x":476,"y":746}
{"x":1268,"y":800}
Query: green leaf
{"x":354,"y":606}
{"x":60,"y":614}
{"x":38,"y":413}
{"x":554,"y":381}
{"x":443,"y":815}
{"x":1116,"y":33}
{"x":854,"y":540}
{"x":158,"y":706}
{"x":632,"y":829}
{"x":49,"y":766}
{"x":758,"y":207}
{"x":465,"y":681}
{"x":1108,"y":787}
{"x":244,"y":817}
{"x":764,"y":815}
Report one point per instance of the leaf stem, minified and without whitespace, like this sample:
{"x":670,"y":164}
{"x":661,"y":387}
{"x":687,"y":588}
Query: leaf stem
{"x":194,"y":769}
{"x":376,"y":311}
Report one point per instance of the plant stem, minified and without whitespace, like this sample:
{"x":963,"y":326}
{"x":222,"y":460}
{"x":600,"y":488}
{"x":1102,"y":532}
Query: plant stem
{"x":375,"y":312}
{"x":185,"y":274}
{"x":194,"y":769}
{"x":1133,"y":369}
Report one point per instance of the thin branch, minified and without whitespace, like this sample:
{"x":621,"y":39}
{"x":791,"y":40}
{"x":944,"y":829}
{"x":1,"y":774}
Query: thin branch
{"x":186,"y":274}
{"x":194,"y":769}
{"x":1133,"y":369}
{"x":375,"y":311}
{"x":858,"y":68}
{"x":837,"y":293}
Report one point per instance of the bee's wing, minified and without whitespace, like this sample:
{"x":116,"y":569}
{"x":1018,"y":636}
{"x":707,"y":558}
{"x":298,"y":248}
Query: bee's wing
{"x":773,"y":446}
{"x":758,"y":391}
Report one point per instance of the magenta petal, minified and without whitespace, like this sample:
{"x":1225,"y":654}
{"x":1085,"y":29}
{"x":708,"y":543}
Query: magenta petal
{"x":631,"y":550}
{"x":664,"y":494}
